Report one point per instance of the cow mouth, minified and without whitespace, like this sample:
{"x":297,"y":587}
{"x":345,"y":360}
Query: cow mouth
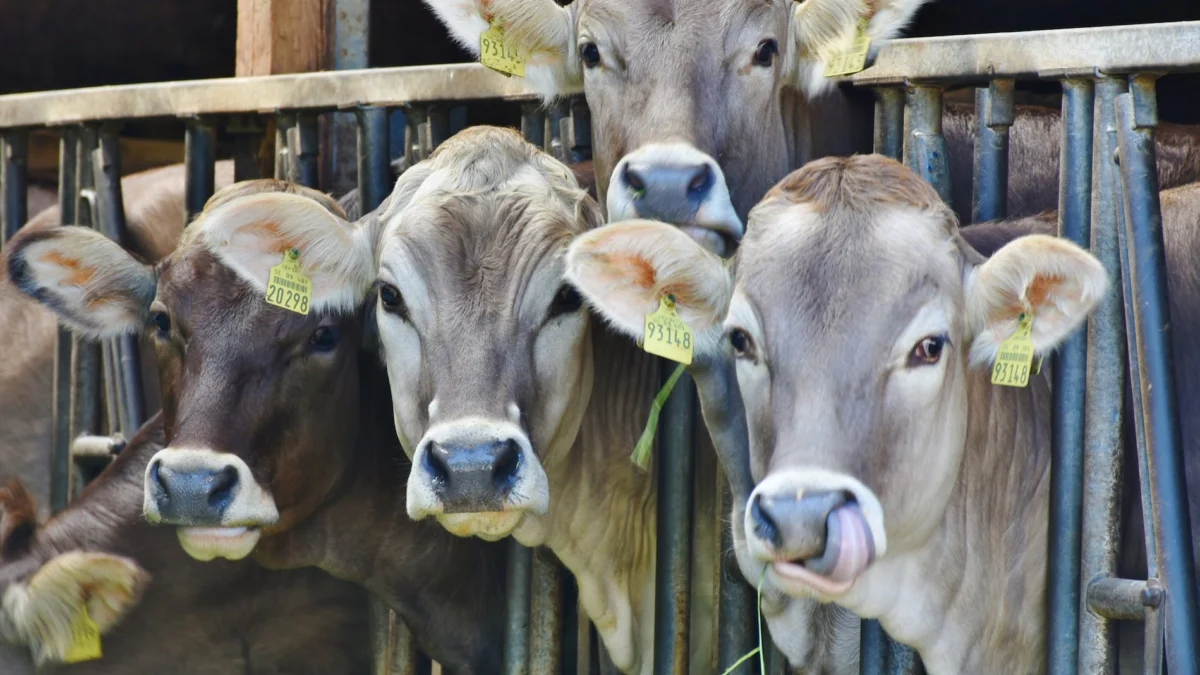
{"x":849,"y":550}
{"x":488,"y":526}
{"x":207,"y":543}
{"x":714,"y":238}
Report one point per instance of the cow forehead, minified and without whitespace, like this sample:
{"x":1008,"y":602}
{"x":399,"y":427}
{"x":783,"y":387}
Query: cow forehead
{"x":645,"y":17}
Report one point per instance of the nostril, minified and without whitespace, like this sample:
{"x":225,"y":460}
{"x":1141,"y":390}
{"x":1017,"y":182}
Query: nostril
{"x":508,"y":460}
{"x":702,"y":182}
{"x":764,"y":527}
{"x":156,"y":479}
{"x":633,"y":180}
{"x":434,"y":463}
{"x":220,"y":493}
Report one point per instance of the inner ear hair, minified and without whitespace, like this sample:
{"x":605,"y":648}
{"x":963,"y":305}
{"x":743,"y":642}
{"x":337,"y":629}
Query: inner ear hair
{"x":260,"y":185}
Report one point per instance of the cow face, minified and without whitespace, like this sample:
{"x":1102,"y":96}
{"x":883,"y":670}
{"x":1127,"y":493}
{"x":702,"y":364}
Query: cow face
{"x":255,"y":397}
{"x":858,"y":319}
{"x":487,"y":350}
{"x":689,"y":120}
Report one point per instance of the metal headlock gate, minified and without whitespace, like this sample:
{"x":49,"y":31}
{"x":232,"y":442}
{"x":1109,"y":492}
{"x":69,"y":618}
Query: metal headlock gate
{"x":1108,"y":202}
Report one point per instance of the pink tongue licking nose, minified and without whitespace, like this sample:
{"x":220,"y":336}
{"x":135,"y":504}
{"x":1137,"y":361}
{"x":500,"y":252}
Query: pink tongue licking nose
{"x":849,"y":546}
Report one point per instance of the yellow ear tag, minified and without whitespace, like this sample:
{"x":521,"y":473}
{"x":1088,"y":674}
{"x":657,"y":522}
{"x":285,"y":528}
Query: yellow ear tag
{"x":287,"y":287}
{"x":853,"y":59}
{"x":497,"y":53}
{"x":85,"y":639}
{"x":1015,"y":357}
{"x":666,"y":334}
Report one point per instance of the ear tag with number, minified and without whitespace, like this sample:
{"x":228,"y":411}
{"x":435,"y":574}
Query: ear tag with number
{"x":85,"y":639}
{"x":666,"y":334}
{"x":851,"y":60}
{"x":497,"y":53}
{"x":1013,"y":361}
{"x":287,"y":287}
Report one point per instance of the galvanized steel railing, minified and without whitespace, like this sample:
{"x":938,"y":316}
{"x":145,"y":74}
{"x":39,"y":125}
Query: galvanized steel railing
{"x":1107,"y":201}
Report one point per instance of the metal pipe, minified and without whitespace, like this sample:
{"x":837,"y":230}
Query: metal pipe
{"x":414,"y":120}
{"x":60,"y":460}
{"x":925,"y":147}
{"x":304,"y":150}
{"x":533,"y":124}
{"x":516,"y":635}
{"x":994,"y":108}
{"x":380,"y":629}
{"x":1137,"y":116}
{"x":438,"y":126}
{"x":374,"y":171}
{"x":675,"y":465}
{"x":284,"y":122}
{"x":546,"y":594}
{"x":581,"y":130}
{"x":1122,"y":599}
{"x":14,"y":175}
{"x":558,"y":130}
{"x":889,"y":122}
{"x":736,"y":603}
{"x":247,"y":133}
{"x":107,"y":159}
{"x":86,"y":356}
{"x":199,"y":158}
{"x":872,"y":648}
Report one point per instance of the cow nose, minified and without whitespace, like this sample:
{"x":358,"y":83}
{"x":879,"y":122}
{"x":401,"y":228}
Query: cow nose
{"x":470,"y":479}
{"x":192,"y":498}
{"x":795,"y":529}
{"x":668,"y":192}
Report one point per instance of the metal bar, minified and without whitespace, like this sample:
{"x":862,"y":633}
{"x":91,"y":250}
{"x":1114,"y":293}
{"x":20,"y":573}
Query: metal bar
{"x":380,"y":627}
{"x":304,"y":150}
{"x":994,"y":108}
{"x":903,"y":660}
{"x":674,"y":471}
{"x":437,"y":126}
{"x":925,"y":147}
{"x":1122,"y":599}
{"x":200,"y":157}
{"x":546,"y":634}
{"x":558,"y":130}
{"x":107,"y":159}
{"x":581,"y":130}
{"x":736,"y":603}
{"x":14,"y":175}
{"x":414,"y":119}
{"x":516,"y":635}
{"x":889,"y":122}
{"x":60,"y":460}
{"x":85,"y":354}
{"x":1137,"y":116}
{"x":374,"y":170}
{"x":872,"y":649}
{"x":284,"y":121}
{"x":407,"y":658}
{"x":247,"y":134}
{"x":533,"y":124}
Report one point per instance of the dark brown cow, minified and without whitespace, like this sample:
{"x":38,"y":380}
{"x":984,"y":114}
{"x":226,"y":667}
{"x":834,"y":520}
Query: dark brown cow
{"x":279,"y":425}
{"x":165,"y":612}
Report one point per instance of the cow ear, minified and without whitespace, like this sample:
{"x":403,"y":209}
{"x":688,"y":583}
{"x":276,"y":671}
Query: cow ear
{"x":18,"y":520}
{"x":253,"y":233}
{"x":624,"y":269}
{"x":823,"y":28}
{"x":1055,"y":281}
{"x":41,"y":613}
{"x":541,"y":29}
{"x":96,"y":287}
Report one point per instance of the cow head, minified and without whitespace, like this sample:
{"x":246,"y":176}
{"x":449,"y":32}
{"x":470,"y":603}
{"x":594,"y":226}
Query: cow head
{"x":487,"y":351}
{"x":689,"y":120}
{"x":858,"y":319}
{"x":254,"y":396}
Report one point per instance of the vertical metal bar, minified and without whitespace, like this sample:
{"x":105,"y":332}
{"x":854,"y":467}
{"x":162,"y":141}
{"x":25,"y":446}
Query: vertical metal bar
{"x":199,"y":157}
{"x":112,"y":224}
{"x":545,"y":640}
{"x":407,"y":658}
{"x":1069,"y":389}
{"x":581,"y":130}
{"x":736,"y":635}
{"x":284,"y":121}
{"x":380,"y":627}
{"x":247,"y":133}
{"x":925,"y":149}
{"x":1103,"y":441}
{"x":304,"y":150}
{"x":437,"y":126}
{"x":533,"y":124}
{"x":374,"y":172}
{"x":1137,"y":116}
{"x":516,"y":636}
{"x":415,"y":118}
{"x":85,"y":354}
{"x":872,"y":649}
{"x":889,"y":122}
{"x":60,"y":461}
{"x":558,"y":130}
{"x":349,"y":50}
{"x":994,"y":108}
{"x":675,"y":465}
{"x":14,"y":174}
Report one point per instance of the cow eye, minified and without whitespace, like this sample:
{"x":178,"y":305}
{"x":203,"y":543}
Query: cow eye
{"x":928,"y":351}
{"x":392,"y":301}
{"x":324,"y":339}
{"x":566,"y":301}
{"x":589,"y":53}
{"x":742,"y":345}
{"x":765,"y":54}
{"x":162,"y":323}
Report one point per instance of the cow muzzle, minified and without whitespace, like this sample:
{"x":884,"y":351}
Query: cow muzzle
{"x":213,"y":500}
{"x":478,"y":477}
{"x":676,"y":183}
{"x":817,"y":531}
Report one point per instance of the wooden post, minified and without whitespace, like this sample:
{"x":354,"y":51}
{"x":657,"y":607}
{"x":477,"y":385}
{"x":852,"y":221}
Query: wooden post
{"x":281,"y":36}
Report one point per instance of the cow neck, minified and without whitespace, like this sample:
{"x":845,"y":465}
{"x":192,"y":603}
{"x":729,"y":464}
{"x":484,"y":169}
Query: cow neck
{"x":603,"y":508}
{"x":984,"y":568}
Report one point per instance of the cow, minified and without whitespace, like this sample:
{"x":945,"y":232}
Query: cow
{"x":698,"y":107}
{"x":900,"y":483}
{"x":157,"y":609}
{"x":280,"y":441}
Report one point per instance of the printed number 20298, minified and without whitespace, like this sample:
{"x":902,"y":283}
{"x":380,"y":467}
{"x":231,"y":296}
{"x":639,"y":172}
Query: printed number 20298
{"x":287,"y":298}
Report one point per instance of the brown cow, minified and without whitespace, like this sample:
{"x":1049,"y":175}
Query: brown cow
{"x":187,"y":616}
{"x":873,"y":260}
{"x":280,"y":440}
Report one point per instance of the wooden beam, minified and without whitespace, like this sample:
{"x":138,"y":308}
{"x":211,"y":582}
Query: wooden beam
{"x":282,"y":36}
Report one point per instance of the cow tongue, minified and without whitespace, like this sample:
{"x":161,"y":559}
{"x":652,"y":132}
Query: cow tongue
{"x":849,"y":546}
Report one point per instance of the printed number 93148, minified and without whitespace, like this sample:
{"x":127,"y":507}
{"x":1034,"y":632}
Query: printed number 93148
{"x":664,"y":333}
{"x":297,"y":302}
